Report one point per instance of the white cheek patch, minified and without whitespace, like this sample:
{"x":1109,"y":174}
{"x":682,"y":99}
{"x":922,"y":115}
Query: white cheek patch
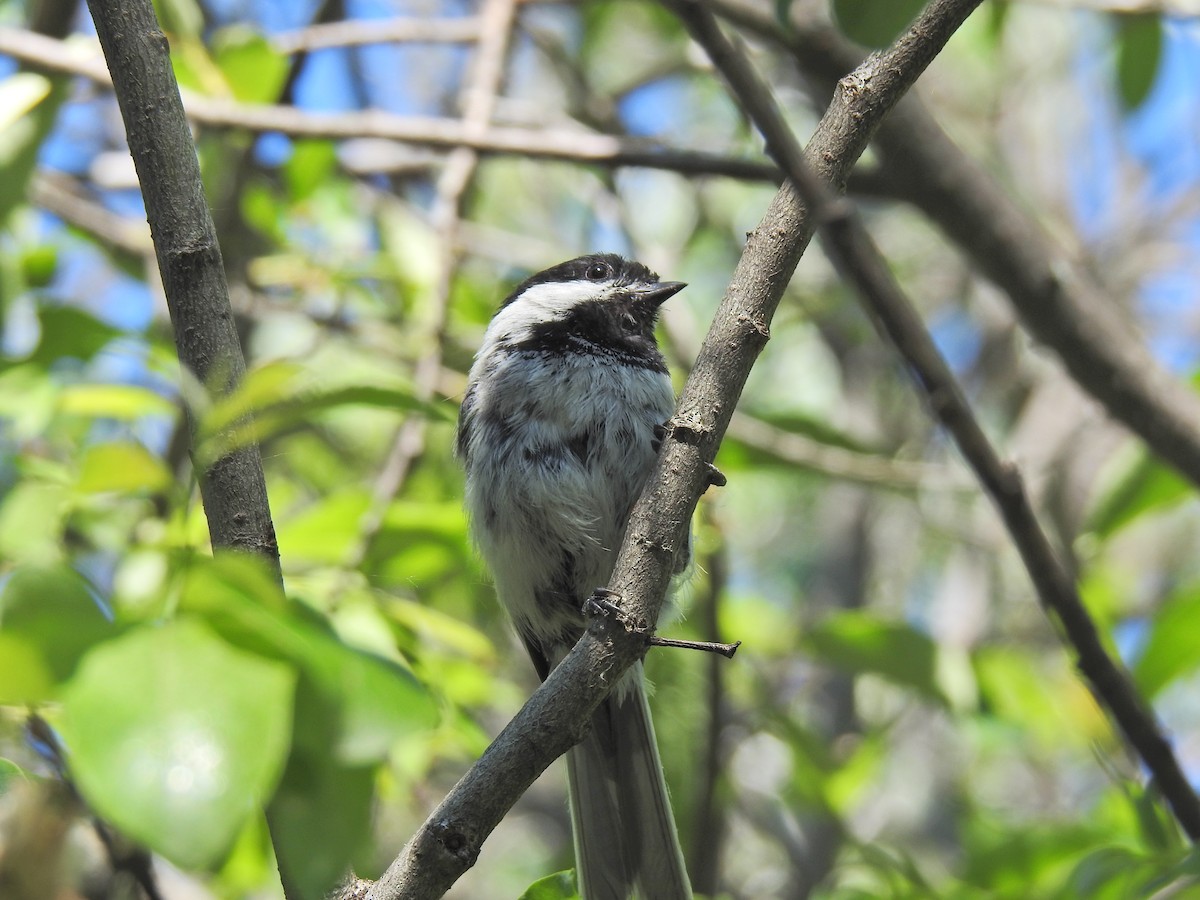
{"x":543,"y":303}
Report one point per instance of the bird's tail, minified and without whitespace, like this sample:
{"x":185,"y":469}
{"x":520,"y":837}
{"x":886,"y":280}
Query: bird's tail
{"x":625,"y":839}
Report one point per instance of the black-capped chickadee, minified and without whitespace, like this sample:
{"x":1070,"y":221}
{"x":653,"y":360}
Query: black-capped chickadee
{"x":558,"y":434}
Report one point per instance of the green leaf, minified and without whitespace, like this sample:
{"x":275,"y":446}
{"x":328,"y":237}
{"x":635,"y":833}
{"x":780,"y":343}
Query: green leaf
{"x":323,"y":532}
{"x":38,"y":265}
{"x":177,"y":738}
{"x":349,"y":704}
{"x":1043,"y":697}
{"x":52,"y":610}
{"x":113,"y":401}
{"x":278,"y":396}
{"x":858,"y":642}
{"x":28,"y":105}
{"x":70,"y":332}
{"x":24,"y":676}
{"x":875,"y":23}
{"x":311,"y":163}
{"x":320,"y":819}
{"x":559,"y":886}
{"x":1171,"y":649}
{"x":31,"y":521}
{"x":1139,"y":49}
{"x":1108,"y":873}
{"x":1146,"y":485}
{"x":253,"y":68}
{"x":121,"y":466}
{"x":998,"y":12}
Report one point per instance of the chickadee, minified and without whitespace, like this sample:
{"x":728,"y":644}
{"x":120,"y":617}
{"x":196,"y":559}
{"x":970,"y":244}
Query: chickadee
{"x":558,"y":435}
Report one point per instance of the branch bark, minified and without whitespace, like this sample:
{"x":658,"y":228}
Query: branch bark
{"x":553,"y":718}
{"x":233,"y":488}
{"x":859,"y":260}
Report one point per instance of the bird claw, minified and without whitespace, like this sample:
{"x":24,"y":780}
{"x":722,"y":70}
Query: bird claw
{"x":602,"y":602}
{"x":660,"y":433}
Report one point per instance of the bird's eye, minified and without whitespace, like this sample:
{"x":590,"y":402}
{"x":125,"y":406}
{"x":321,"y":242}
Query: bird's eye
{"x":598,"y":272}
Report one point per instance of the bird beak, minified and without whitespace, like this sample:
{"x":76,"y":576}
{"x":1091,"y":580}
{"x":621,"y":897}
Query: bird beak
{"x":656,"y":294}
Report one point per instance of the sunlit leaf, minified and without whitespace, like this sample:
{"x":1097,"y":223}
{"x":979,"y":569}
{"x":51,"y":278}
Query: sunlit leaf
{"x":176,"y":738}
{"x":52,"y":609}
{"x":254,"y":70}
{"x":25,"y":678}
{"x":1109,"y":873}
{"x":31,"y":522}
{"x":28,"y":104}
{"x":1044,"y":698}
{"x":113,"y":401}
{"x":121,"y":466}
{"x":281,"y":395}
{"x":38,"y":265}
{"x":310,"y":164}
{"x":559,"y":886}
{"x":364,"y":702}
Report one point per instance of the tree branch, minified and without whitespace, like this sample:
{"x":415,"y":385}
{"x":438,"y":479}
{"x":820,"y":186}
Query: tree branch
{"x":360,"y":32}
{"x":1059,"y":305}
{"x":233,"y":488}
{"x":859,"y":260}
{"x":553,"y":718}
{"x":561,"y":144}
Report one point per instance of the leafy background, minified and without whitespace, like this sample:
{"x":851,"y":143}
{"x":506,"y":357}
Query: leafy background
{"x":902,"y":720}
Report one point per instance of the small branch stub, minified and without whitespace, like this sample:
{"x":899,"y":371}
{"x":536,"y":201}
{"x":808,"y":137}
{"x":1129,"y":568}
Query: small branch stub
{"x":603,"y":602}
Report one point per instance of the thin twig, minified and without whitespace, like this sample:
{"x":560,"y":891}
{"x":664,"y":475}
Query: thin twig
{"x":558,"y":144}
{"x":360,"y":32}
{"x":859,"y":260}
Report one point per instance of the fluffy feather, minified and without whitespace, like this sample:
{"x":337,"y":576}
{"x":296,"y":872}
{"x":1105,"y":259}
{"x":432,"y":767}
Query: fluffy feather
{"x":557,"y":436}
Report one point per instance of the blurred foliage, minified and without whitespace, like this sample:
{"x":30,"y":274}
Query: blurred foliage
{"x":901,"y":721}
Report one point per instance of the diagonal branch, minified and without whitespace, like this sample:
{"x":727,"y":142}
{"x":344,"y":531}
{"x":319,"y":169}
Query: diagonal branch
{"x":1061,"y":307}
{"x":553,"y":718}
{"x":859,"y":260}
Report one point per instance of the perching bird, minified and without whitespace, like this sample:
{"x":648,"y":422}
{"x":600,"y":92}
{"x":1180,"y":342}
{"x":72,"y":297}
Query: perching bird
{"x":558,"y":434}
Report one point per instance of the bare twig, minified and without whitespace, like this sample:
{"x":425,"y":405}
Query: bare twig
{"x":62,"y":195}
{"x":360,"y":32}
{"x":559,"y":144}
{"x":553,"y":718}
{"x":860,"y":261}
